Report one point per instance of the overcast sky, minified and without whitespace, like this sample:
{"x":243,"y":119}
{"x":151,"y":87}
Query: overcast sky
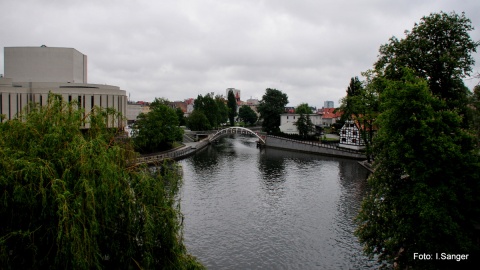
{"x":177,"y":49}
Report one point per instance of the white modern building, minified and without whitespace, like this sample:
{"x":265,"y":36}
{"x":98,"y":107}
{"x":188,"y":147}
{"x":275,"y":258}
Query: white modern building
{"x":32,"y":72}
{"x":45,"y":64}
{"x":288,"y":121}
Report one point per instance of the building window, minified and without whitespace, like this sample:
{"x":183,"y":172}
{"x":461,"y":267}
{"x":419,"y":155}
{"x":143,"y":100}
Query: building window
{"x":354,"y":133}
{"x":344,"y":140}
{"x":344,"y":132}
{"x":354,"y":140}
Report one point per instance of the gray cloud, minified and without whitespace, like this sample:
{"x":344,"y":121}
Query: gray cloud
{"x":179,"y":49}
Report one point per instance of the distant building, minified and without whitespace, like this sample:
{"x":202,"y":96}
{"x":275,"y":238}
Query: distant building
{"x":289,"y":109}
{"x":350,"y":136}
{"x":179,"y":104}
{"x":253,"y":101}
{"x":328,"y":104}
{"x":329,"y":116}
{"x":32,"y":72}
{"x":253,"y":104}
{"x":134,"y":109}
{"x":45,"y":64}
{"x":288,"y":120}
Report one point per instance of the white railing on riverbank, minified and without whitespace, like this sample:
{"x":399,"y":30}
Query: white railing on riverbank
{"x":312,"y":147}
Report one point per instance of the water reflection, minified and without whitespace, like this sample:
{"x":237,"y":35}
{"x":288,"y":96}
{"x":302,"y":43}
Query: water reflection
{"x":247,"y":208}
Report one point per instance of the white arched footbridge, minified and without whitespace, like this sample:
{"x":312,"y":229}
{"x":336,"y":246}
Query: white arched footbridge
{"x":234,"y":130}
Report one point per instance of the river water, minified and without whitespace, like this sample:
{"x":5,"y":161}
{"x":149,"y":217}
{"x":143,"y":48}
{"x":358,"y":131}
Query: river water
{"x":246,"y":208}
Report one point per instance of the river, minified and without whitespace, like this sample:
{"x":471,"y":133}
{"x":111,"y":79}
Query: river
{"x":249,"y":208}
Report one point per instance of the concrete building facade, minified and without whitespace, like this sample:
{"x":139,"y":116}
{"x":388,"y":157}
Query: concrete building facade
{"x":58,"y":70}
{"x":45,"y":64}
{"x":288,"y":122}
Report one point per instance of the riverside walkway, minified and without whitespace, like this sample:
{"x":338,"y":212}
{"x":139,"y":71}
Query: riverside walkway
{"x":187,"y":149}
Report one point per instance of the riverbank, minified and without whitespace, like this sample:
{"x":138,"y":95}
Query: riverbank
{"x":312,"y":147}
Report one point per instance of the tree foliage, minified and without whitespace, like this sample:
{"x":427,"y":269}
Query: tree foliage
{"x":474,"y":114}
{"x":180,"y":116}
{"x":304,"y":123}
{"x":303,"y":108}
{"x":349,"y":102}
{"x":247,"y":115}
{"x":438,"y":49}
{"x":157,"y":130}
{"x":232,"y":107}
{"x":361,"y":104}
{"x":198,"y":121}
{"x":424,"y":195}
{"x":424,"y":191}
{"x":270,"y":108}
{"x":207,"y":105}
{"x":222,"y":114}
{"x":70,"y":199}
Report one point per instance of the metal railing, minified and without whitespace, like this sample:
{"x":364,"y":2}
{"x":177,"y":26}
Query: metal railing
{"x":172,"y":154}
{"x":319,"y":144}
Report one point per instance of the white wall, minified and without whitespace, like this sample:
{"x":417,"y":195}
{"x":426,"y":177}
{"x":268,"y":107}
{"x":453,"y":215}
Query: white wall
{"x":45,"y":64}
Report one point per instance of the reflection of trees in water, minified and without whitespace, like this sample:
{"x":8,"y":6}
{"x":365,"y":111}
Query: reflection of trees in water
{"x":353,"y":184}
{"x":353,"y":178}
{"x":205,"y":161}
{"x":219,"y":156}
{"x":353,"y":181}
{"x":272,"y":168}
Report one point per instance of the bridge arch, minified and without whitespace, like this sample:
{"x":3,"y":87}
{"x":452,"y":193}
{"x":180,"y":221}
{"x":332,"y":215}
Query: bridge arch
{"x":234,"y":130}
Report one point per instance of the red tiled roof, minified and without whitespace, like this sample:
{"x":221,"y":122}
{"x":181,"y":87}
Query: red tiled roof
{"x":328,"y":113}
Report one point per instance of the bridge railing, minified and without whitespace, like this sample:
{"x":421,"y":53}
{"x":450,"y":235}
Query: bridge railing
{"x":156,"y":158}
{"x":235,"y":130}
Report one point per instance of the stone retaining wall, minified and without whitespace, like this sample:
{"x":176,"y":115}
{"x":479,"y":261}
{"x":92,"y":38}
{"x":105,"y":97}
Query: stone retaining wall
{"x":312,"y":147}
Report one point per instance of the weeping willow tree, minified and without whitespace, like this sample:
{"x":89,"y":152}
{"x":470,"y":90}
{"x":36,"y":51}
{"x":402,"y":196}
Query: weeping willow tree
{"x":70,"y":200}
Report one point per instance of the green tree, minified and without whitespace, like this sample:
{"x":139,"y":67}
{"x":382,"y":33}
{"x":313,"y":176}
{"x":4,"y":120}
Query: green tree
{"x":304,"y":123}
{"x":474,"y":113}
{"x":270,"y":108}
{"x":437,"y":49}
{"x":70,"y":199}
{"x":232,"y":107}
{"x":424,"y":193}
{"x":198,"y":121}
{"x":362,"y":106}
{"x":222,"y":115}
{"x":247,"y":115}
{"x":181,"y":117}
{"x":158,"y":129}
{"x":349,"y":102}
{"x":303,"y":108}
{"x":208,"y":107}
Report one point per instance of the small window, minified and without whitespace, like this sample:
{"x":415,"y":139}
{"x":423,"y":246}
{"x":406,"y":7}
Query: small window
{"x":344,"y":132}
{"x":344,"y":140}
{"x":354,"y":133}
{"x":354,"y":140}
